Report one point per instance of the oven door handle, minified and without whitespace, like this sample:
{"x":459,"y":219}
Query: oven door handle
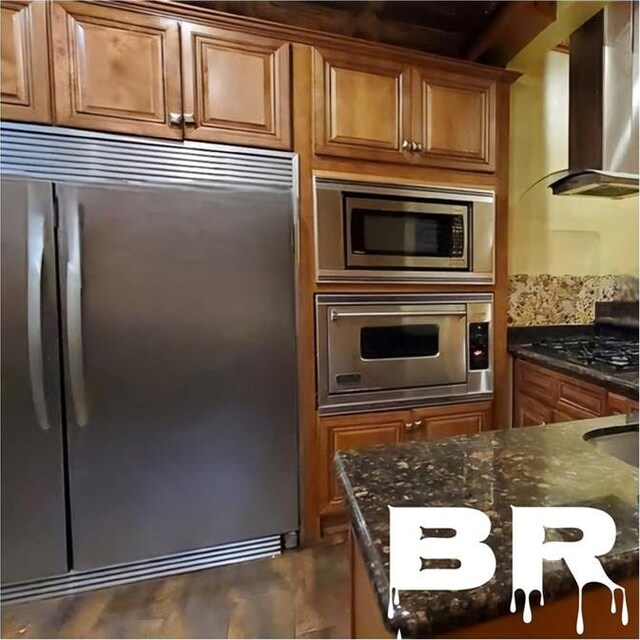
{"x":336,"y":315}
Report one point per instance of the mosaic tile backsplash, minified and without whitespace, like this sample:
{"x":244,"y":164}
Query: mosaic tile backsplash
{"x":552,"y":300}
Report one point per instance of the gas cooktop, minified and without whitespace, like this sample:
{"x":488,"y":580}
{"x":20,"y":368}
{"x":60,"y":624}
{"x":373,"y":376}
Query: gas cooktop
{"x":606,"y":352}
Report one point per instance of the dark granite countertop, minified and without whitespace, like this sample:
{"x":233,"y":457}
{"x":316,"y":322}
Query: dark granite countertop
{"x":537,"y":466}
{"x":519,"y":345}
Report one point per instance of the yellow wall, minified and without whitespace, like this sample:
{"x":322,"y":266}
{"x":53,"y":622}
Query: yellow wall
{"x":559,"y":235}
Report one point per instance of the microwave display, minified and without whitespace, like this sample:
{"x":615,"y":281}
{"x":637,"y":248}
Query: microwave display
{"x":409,"y":234}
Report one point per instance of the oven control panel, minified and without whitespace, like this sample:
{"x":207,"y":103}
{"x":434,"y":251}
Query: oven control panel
{"x":478,"y":346}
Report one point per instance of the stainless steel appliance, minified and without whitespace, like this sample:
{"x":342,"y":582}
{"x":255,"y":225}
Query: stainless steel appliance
{"x":604,"y":77}
{"x":384,"y":351}
{"x":176,"y":312}
{"x":385,"y":232}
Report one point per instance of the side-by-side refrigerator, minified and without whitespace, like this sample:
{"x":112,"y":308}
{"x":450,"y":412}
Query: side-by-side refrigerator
{"x":148,"y":356}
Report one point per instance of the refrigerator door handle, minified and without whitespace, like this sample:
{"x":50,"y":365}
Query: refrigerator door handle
{"x":35,"y":261}
{"x":71,"y":212}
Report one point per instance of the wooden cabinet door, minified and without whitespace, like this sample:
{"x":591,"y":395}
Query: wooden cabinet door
{"x":536,"y":381}
{"x":26,"y":93}
{"x":618,"y":404}
{"x":529,"y":412}
{"x":115,"y":70}
{"x":353,"y":432}
{"x":433,"y":423}
{"x":585,"y":398}
{"x":361,"y":106}
{"x":454,"y":120}
{"x":236,"y":87}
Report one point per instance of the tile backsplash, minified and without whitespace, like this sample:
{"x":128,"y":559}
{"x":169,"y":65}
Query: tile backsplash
{"x":551,"y":300}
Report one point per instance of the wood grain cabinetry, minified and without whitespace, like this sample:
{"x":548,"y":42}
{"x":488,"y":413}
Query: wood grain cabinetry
{"x":621,"y":405}
{"x":361,"y":106}
{"x":432,"y":423}
{"x":135,"y":72}
{"x":454,"y":121}
{"x":367,"y":430}
{"x":115,"y":70}
{"x":381,"y":109}
{"x":353,"y":432}
{"x":25,"y":79}
{"x":543,"y":396}
{"x":235,"y":87}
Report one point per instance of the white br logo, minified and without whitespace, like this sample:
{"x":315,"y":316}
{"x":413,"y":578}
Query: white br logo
{"x":412,"y":550}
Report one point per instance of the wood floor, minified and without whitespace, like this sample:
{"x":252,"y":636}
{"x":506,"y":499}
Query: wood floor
{"x":300,"y":594}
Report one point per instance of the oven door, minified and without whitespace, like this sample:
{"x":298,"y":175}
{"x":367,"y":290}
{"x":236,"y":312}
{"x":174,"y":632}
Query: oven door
{"x":375,"y":347}
{"x":406,"y":234}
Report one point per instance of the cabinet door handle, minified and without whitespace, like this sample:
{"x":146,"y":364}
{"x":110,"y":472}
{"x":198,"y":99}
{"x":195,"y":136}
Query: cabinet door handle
{"x":417,"y":424}
{"x":417,"y":147}
{"x":188,"y":118}
{"x":175,"y":119}
{"x":407,"y":146}
{"x":408,"y":426}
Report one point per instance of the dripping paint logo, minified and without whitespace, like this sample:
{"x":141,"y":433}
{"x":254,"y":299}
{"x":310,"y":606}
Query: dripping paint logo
{"x":443,"y":548}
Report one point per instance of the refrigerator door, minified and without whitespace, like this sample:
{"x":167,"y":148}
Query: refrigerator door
{"x":33,"y":504}
{"x":179,"y":341}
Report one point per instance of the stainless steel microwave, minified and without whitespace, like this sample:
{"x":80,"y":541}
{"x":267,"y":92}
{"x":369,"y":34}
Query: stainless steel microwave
{"x":379,"y":351}
{"x":383,"y":232}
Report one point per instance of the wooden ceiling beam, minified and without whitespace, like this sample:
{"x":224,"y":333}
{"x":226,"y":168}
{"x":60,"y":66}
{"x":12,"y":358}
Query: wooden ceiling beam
{"x":514,"y":26}
{"x":364,"y":23}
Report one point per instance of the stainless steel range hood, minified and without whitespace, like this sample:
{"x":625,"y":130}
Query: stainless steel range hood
{"x":604,"y":93}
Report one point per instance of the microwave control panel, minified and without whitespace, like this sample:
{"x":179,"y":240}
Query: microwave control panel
{"x":478,"y":346}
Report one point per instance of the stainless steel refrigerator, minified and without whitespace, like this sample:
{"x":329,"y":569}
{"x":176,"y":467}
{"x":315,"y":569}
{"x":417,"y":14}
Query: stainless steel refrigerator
{"x":148,"y":351}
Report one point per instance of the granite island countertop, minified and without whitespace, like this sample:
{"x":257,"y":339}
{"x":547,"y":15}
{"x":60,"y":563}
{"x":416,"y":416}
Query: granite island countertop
{"x":519,"y":346}
{"x":536,"y":466}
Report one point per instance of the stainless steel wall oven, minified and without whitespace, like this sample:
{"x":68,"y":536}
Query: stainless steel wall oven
{"x":382,"y":232}
{"x":384,"y":351}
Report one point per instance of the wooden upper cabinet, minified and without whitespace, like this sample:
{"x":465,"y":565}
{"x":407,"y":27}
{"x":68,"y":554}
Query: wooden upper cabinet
{"x":361,"y":106}
{"x":454,"y":120}
{"x":236,"y":87}
{"x":25,"y":64}
{"x":115,"y":70}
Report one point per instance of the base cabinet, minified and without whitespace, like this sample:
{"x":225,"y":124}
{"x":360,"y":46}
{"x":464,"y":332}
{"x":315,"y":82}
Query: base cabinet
{"x":543,"y":396}
{"x":361,"y":431}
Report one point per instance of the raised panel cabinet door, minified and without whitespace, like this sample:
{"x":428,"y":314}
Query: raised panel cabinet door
{"x":236,"y":87}
{"x":116,"y":70}
{"x":454,"y":120}
{"x":362,"y":106}
{"x":26,"y":93}
{"x":432,"y":423}
{"x":353,"y":432}
{"x":617,"y":404}
{"x":529,"y":412}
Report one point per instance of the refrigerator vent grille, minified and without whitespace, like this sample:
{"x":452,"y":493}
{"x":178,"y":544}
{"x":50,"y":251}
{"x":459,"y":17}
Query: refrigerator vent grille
{"x":76,"y":582}
{"x":73,"y":155}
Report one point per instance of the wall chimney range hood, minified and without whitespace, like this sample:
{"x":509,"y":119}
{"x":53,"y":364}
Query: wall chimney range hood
{"x":604,"y":94}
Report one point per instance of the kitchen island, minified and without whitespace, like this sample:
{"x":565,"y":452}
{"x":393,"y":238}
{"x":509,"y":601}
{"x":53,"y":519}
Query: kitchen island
{"x":538,"y":466}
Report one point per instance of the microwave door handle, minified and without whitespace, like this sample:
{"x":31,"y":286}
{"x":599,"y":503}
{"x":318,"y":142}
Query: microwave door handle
{"x":336,"y":315}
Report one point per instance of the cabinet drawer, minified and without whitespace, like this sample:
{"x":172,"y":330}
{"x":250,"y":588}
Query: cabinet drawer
{"x":535,"y":381}
{"x":582,"y":395}
{"x":433,"y":423}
